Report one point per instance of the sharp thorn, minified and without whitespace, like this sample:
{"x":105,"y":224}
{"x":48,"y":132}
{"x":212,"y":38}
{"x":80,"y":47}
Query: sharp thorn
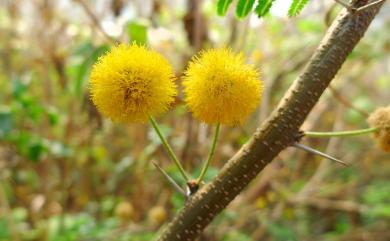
{"x":169,"y":179}
{"x":359,"y":9}
{"x":369,"y":5}
{"x":316,"y":152}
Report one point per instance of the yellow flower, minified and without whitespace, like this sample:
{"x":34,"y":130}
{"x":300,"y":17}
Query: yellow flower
{"x":157,"y":214}
{"x":381,"y":118}
{"x":124,"y":211}
{"x":221,"y":88}
{"x":131,"y":83}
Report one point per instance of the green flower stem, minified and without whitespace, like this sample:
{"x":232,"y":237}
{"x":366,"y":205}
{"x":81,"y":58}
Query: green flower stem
{"x":168,"y":148}
{"x":211,"y":154}
{"x":340,"y":133}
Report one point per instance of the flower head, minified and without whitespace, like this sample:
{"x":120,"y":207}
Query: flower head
{"x":381,"y":118}
{"x":131,"y":83}
{"x":157,"y":215}
{"x":221,"y":88}
{"x":124,"y":211}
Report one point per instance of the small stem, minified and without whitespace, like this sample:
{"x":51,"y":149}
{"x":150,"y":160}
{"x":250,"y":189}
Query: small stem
{"x":340,"y":133}
{"x":211,"y":154}
{"x":168,"y":148}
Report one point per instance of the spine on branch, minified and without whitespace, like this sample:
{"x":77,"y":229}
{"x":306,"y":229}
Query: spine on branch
{"x":279,"y":131}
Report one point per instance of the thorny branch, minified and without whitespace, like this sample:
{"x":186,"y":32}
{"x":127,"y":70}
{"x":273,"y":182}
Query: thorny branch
{"x":279,"y":130}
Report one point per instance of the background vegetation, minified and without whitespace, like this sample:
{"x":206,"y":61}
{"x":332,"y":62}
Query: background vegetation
{"x":68,"y":174}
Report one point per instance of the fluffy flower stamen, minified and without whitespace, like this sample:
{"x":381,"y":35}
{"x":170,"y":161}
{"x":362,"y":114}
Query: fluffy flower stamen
{"x":221,"y":88}
{"x":380,"y":118}
{"x":131,"y":83}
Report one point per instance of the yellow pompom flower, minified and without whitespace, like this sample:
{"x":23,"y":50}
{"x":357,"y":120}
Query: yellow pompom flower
{"x":131,"y":83}
{"x":380,"y":118}
{"x":221,"y":88}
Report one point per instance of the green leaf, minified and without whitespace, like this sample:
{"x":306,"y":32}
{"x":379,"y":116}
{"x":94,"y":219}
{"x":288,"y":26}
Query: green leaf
{"x":53,"y":115}
{"x":19,"y":214}
{"x":309,"y":26}
{"x":380,"y":211}
{"x":222,"y":6}
{"x":6,"y":120}
{"x":35,"y":148}
{"x":296,"y":7}
{"x":280,"y":231}
{"x":137,"y":33}
{"x":4,"y":230}
{"x":18,"y":88}
{"x":236,"y":235}
{"x":263,"y":7}
{"x":34,"y":110}
{"x":82,"y":70}
{"x":35,"y":151}
{"x":244,"y":7}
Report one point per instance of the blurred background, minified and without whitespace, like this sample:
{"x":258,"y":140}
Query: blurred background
{"x":67,"y":174}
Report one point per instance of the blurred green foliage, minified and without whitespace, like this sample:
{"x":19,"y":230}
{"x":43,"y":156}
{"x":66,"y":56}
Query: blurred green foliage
{"x":64,"y":170}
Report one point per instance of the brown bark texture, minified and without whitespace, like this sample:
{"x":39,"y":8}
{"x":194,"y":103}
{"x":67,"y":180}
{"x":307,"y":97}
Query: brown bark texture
{"x":279,"y":131}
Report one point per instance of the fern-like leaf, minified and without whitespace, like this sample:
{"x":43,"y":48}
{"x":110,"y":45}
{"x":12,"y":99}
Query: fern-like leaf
{"x":223,"y":6}
{"x":244,"y":7}
{"x":296,"y":7}
{"x":263,"y":7}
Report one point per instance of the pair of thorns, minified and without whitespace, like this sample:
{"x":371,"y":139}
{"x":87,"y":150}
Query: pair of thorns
{"x":193,"y":185}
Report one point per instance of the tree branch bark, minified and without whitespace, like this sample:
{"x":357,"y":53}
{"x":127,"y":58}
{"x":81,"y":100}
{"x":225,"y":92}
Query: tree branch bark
{"x":280,"y":129}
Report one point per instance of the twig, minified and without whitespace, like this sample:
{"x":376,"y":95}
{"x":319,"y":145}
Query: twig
{"x":188,"y":144}
{"x":321,"y":203}
{"x":345,"y":101}
{"x":271,"y":84}
{"x":197,"y":27}
{"x":96,"y":21}
{"x":316,"y":152}
{"x":170,"y":180}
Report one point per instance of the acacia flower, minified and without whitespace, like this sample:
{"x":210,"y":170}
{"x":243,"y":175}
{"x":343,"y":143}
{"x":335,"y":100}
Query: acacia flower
{"x":380,"y":118}
{"x":131,"y":83}
{"x":221,"y":88}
